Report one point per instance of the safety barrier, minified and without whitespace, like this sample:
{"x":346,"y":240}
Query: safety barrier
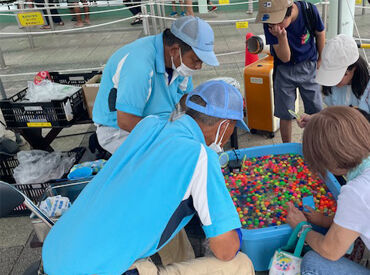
{"x":153,"y":16}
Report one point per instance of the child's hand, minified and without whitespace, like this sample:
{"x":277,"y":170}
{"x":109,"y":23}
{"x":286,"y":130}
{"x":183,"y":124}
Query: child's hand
{"x":305,"y":118}
{"x":318,"y":64}
{"x":318,"y":218}
{"x":277,"y":31}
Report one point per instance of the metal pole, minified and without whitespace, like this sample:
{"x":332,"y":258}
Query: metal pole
{"x":2,"y":90}
{"x":164,"y":13}
{"x":2,"y":61}
{"x":339,"y":30}
{"x":51,"y":23}
{"x":250,"y":7}
{"x":154,"y":20}
{"x":363,"y":5}
{"x":28,"y":30}
{"x":145,"y":20}
{"x":30,"y":38}
{"x":325,"y":13}
{"x":18,"y":138}
{"x":160,"y":20}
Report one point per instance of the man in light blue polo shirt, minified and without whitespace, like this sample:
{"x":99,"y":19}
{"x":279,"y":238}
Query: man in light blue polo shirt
{"x":162,"y":175}
{"x":149,"y":77}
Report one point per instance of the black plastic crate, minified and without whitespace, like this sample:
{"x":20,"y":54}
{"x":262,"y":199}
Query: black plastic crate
{"x":57,"y":113}
{"x":76,"y":79}
{"x":7,"y":165}
{"x":33,"y":191}
{"x":54,"y":114}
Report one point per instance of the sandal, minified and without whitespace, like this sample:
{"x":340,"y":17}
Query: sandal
{"x":78,"y":25}
{"x":45,"y":27}
{"x":60,"y":23}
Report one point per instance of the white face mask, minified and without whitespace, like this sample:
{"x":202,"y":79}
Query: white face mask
{"x":216,"y":146}
{"x":182,"y":70}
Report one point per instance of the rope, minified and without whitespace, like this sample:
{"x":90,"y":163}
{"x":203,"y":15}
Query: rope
{"x":209,"y":21}
{"x":357,"y":30}
{"x":205,"y":5}
{"x":53,"y":6}
{"x":95,"y":68}
{"x":59,"y":71}
{"x":133,"y":2}
{"x":79,"y":13}
{"x":67,"y":5}
{"x":362,"y":7}
{"x":70,"y":30}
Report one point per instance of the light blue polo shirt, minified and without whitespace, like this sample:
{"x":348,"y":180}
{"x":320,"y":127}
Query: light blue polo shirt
{"x":138,"y":72}
{"x":145,"y":194}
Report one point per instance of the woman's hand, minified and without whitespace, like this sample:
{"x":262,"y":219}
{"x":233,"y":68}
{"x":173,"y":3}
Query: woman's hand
{"x":302,"y":122}
{"x":318,"y":218}
{"x":294,"y":216}
{"x":313,"y":216}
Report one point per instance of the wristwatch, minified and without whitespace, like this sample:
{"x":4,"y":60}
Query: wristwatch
{"x":304,"y":229}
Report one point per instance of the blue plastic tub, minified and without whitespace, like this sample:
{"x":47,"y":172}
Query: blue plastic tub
{"x":260,"y":244}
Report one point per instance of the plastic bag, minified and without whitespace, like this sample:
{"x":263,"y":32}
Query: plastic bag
{"x":95,"y":165}
{"x":55,"y":206}
{"x":39,"y":166}
{"x":46,"y":91}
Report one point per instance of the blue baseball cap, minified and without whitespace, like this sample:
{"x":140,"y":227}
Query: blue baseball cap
{"x":198,"y":34}
{"x":223,"y":101}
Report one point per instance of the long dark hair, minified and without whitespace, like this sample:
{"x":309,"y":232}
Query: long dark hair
{"x":359,"y":80}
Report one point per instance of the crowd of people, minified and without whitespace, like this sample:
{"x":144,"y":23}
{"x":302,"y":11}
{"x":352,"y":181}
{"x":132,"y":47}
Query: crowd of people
{"x":164,"y":136}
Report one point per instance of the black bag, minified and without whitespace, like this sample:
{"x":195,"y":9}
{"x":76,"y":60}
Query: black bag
{"x":309,"y":16}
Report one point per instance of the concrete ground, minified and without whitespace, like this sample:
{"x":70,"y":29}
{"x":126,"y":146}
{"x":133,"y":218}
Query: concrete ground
{"x":90,"y":49}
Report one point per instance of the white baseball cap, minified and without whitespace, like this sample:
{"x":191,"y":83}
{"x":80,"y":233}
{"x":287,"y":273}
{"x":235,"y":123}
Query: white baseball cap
{"x":338,"y":53}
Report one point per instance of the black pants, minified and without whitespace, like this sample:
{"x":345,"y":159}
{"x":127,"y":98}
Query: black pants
{"x":56,"y":19}
{"x":134,"y":10}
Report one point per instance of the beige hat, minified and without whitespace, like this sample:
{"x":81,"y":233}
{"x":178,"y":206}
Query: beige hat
{"x":272,"y":11}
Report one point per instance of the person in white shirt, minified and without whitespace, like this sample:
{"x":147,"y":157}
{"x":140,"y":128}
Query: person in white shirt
{"x":337,"y":140}
{"x":344,"y":75}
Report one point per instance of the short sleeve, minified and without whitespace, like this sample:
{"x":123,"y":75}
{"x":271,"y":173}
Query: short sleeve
{"x":270,"y":39}
{"x":190,"y":86}
{"x":365,"y":99}
{"x":319,"y":24}
{"x":328,"y":99}
{"x":218,"y":215}
{"x":134,"y":86}
{"x":353,"y":211}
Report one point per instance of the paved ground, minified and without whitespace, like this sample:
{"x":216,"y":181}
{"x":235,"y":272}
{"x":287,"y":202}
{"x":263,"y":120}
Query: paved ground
{"x":90,"y":49}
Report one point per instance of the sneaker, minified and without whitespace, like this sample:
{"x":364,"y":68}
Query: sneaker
{"x":136,"y":21}
{"x":173,"y":14}
{"x":213,"y":8}
{"x":182,"y":13}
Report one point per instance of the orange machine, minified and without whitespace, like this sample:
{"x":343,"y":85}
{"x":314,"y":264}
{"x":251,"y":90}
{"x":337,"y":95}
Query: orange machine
{"x":259,"y":96}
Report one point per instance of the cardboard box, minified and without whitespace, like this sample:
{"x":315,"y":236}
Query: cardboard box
{"x":90,"y":90}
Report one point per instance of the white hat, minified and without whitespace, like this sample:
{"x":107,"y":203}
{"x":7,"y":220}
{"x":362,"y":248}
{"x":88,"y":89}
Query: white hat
{"x":338,"y":53}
